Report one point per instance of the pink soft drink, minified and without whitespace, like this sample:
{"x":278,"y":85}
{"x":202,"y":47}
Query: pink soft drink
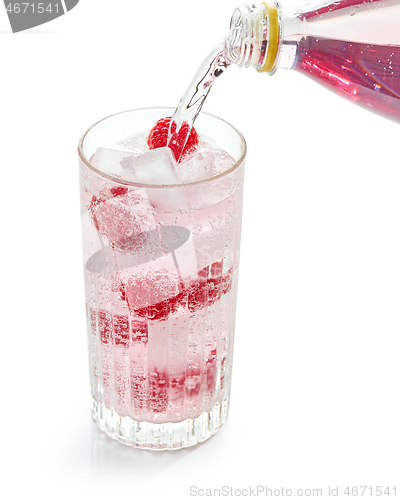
{"x":161,"y":266}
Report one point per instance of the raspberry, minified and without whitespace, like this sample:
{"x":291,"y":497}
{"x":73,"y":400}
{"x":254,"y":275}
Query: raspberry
{"x":203,"y":292}
{"x":104,"y":195}
{"x":120,"y":215}
{"x":159,"y":135}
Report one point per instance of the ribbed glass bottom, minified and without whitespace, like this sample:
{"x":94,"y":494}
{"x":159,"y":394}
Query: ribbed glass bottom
{"x":167,"y":436}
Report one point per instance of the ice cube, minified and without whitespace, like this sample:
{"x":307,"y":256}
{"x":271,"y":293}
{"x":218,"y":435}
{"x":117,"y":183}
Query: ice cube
{"x":108,"y":160}
{"x":137,"y":144}
{"x":222,"y":161}
{"x":157,"y":166}
{"x":178,"y":241}
{"x":152,"y":283}
{"x":197,"y":166}
{"x":216,"y":230}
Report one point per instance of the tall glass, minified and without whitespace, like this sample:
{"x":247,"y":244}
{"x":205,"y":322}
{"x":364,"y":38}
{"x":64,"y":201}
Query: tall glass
{"x":161,"y":304}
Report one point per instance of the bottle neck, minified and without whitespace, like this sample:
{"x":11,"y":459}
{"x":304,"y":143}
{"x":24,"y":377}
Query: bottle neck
{"x":254,"y":36}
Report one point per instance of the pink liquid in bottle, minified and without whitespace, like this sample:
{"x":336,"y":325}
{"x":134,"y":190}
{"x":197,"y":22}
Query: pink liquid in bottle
{"x":351,"y":47}
{"x":367,"y":74}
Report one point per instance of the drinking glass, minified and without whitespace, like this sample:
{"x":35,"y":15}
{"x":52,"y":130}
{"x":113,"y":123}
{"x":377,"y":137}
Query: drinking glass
{"x":161,"y":273}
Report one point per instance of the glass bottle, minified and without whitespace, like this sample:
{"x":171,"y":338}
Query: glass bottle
{"x":351,"y":47}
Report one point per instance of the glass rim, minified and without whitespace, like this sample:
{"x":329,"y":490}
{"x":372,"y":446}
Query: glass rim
{"x":86,"y":162}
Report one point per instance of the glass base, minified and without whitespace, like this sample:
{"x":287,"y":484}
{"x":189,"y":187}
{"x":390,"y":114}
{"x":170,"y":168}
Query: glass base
{"x":167,"y":436}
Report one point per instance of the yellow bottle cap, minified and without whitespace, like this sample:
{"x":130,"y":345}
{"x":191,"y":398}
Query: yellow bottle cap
{"x":273,"y":36}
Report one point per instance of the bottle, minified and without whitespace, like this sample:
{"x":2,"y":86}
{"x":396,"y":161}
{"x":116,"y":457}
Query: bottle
{"x":351,"y":47}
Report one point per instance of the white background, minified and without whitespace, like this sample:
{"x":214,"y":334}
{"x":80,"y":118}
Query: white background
{"x":315,"y":397}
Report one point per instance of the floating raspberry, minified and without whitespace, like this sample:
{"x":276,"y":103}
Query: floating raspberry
{"x":206,"y":292}
{"x":104,"y":195}
{"x":120,"y":215}
{"x":203,"y":292}
{"x":159,"y":135}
